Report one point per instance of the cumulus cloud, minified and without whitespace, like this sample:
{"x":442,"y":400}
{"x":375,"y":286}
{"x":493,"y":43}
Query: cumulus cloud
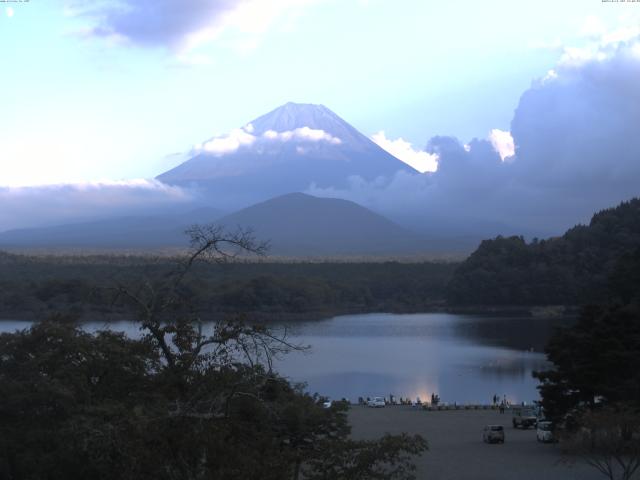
{"x":228,"y":143}
{"x":244,"y":137}
{"x":63,"y":203}
{"x":180,"y":25}
{"x":577,"y":128}
{"x":402,"y":150}
{"x":602,"y":44}
{"x":502,"y":142}
{"x":304,"y":134}
{"x":572,"y":149}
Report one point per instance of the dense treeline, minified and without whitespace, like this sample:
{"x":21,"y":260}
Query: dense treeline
{"x":571,"y":270}
{"x":592,"y":391}
{"x":31,"y":286}
{"x":598,"y":358}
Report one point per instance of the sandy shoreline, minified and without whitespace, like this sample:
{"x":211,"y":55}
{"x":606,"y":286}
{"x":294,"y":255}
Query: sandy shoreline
{"x":456,"y":450}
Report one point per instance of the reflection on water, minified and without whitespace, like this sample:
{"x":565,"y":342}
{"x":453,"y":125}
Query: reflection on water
{"x":462,"y":358}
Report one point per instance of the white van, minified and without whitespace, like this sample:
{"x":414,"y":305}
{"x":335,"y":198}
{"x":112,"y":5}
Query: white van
{"x":544,"y":432}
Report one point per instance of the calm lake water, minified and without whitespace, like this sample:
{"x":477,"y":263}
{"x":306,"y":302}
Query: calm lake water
{"x":462,"y":358}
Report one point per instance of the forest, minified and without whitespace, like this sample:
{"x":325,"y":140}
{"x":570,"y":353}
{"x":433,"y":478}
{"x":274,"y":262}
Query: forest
{"x":31,"y":286}
{"x":573,"y":269}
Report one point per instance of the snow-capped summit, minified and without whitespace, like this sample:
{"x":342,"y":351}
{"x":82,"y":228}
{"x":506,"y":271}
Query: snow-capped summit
{"x":292,"y":116}
{"x":289,"y":149}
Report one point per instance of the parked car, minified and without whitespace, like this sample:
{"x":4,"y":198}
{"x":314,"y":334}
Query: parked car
{"x":493,"y":434}
{"x":376,"y":402}
{"x":523,"y":417}
{"x":544,"y":432}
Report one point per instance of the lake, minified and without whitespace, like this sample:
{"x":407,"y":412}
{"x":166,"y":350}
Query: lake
{"x":462,"y":358}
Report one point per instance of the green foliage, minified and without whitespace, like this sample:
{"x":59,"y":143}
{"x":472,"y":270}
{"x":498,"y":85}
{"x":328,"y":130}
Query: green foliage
{"x":68,"y":399}
{"x":102,"y":406}
{"x":624,"y":286}
{"x":596,"y":360}
{"x":571,"y":270}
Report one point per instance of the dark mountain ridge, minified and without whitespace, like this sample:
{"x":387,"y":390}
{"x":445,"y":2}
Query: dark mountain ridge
{"x":300,"y":224}
{"x":296,"y":224}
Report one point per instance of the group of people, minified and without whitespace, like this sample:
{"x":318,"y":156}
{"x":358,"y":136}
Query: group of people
{"x":435,"y":400}
{"x":500,"y":403}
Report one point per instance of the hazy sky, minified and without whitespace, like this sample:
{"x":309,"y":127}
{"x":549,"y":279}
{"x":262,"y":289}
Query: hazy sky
{"x":106,"y":89}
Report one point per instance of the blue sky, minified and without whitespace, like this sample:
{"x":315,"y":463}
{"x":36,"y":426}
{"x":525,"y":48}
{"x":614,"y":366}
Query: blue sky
{"x":93,"y":91}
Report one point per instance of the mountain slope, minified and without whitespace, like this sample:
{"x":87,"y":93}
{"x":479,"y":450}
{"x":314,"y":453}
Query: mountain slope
{"x":299,"y":224}
{"x":295,"y":224}
{"x":121,"y":232}
{"x":289,"y":149}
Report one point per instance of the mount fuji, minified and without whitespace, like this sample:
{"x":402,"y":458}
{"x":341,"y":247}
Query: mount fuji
{"x":251,"y":174}
{"x":289,"y":149}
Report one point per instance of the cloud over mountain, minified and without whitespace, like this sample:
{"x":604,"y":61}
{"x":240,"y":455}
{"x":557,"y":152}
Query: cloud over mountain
{"x":244,"y":137}
{"x":575,"y":150}
{"x":286,"y":150}
{"x":54,"y":204}
{"x":403,"y":150}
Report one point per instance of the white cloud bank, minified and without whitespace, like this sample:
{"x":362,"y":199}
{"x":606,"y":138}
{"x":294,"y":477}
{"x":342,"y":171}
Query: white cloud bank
{"x":65,"y":203}
{"x":244,"y":137}
{"x":229,"y":143}
{"x":401,"y":149}
{"x":303,"y":134}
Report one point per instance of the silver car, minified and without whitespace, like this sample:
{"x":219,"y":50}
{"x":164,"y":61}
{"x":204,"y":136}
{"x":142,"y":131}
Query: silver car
{"x":376,"y":402}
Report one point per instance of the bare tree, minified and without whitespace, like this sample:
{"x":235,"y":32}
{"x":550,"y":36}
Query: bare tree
{"x":607,"y":440}
{"x":169,"y":320}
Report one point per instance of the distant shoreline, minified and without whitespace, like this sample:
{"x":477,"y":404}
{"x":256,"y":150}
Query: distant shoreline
{"x":531,"y":311}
